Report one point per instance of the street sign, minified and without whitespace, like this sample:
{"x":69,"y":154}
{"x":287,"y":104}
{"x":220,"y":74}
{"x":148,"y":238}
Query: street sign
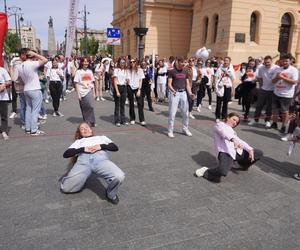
{"x":113,"y":36}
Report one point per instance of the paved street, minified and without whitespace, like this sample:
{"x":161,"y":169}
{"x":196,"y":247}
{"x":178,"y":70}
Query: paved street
{"x":162,"y":205}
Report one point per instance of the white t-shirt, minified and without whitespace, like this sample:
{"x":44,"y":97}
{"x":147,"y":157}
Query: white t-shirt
{"x":54,"y":74}
{"x":85,"y":79}
{"x":282,"y":88}
{"x":90,"y":141}
{"x":4,"y":77}
{"x":162,"y":79}
{"x":120,"y":76}
{"x":134,"y":78}
{"x":267,"y":75}
{"x":208,"y":72}
{"x":195,"y":73}
{"x":28,"y":71}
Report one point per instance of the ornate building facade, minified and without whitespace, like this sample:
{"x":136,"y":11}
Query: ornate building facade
{"x":237,"y":28}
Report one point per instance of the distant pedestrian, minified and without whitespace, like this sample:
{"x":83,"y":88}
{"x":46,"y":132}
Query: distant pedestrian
{"x":229,"y":148}
{"x":84,"y":85}
{"x":90,"y":156}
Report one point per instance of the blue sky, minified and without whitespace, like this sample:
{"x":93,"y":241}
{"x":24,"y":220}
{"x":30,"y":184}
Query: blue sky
{"x":38,"y":11}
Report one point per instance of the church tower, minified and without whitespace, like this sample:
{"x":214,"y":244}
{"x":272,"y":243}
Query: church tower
{"x":51,"y":39}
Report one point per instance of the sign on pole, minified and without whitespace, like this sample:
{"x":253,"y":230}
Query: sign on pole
{"x":113,"y":36}
{"x":71,"y":30}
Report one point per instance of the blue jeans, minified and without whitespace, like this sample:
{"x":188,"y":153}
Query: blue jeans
{"x":34,"y":100}
{"x":22,"y":107}
{"x":97,"y":163}
{"x":174,"y":101}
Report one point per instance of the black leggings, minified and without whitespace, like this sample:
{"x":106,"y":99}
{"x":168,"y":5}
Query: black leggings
{"x":55,"y":88}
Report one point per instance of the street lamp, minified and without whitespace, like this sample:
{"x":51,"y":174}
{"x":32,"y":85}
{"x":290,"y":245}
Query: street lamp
{"x":141,"y":31}
{"x":84,"y":13}
{"x":16,"y":11}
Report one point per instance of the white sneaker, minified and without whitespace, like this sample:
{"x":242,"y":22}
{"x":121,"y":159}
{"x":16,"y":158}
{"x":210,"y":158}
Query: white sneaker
{"x":46,"y":101}
{"x":102,"y":99}
{"x":287,"y":137}
{"x":187,"y":132}
{"x":217,"y":120}
{"x":268,"y":124}
{"x":118,"y":124}
{"x":97,"y":99}
{"x":143,"y":123}
{"x":37,"y":133}
{"x":229,"y":103}
{"x":126,"y":102}
{"x":132,"y":122}
{"x":199,"y":108}
{"x":191,"y":116}
{"x":200,"y":171}
{"x":59,"y":114}
{"x":13,"y":115}
{"x":23,"y":127}
{"x":209,"y":107}
{"x":54,"y":114}
{"x":171,"y":135}
{"x":252,"y":122}
{"x":41,"y":117}
{"x":5,"y":136}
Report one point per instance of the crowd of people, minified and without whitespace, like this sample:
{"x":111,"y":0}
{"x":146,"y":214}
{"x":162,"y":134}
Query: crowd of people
{"x":180,"y":82}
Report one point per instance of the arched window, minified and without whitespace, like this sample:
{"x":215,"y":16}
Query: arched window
{"x":254,"y":27}
{"x":216,"y":24}
{"x":285,"y":33}
{"x":205,"y":29}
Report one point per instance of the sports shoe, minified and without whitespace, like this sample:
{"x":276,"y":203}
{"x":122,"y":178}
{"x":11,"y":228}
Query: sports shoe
{"x":23,"y":127}
{"x":191,"y":116}
{"x":59,"y":114}
{"x":143,"y":123}
{"x":171,"y":135}
{"x":97,"y":99}
{"x":209,"y":107}
{"x":102,"y":99}
{"x":282,"y":130}
{"x":297,"y":177}
{"x":200,"y":171}
{"x":118,"y":124}
{"x":187,"y":132}
{"x":287,"y":137}
{"x":274,"y":125}
{"x":124,"y":123}
{"x":5,"y":136}
{"x":54,"y":114}
{"x":13,"y":115}
{"x":230,"y":102}
{"x":126,"y":102}
{"x":113,"y":201}
{"x":268,"y":124}
{"x":46,"y":101}
{"x":252,"y":122}
{"x":199,"y":108}
{"x":132,"y":122}
{"x":37,"y":133}
{"x":217,"y":120}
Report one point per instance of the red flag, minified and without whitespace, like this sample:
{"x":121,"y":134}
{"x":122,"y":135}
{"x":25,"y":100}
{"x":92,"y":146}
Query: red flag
{"x":3,"y":30}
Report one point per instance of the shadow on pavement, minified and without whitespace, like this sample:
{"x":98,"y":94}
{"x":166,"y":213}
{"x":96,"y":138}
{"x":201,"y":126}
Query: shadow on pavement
{"x":284,"y":168}
{"x":262,"y":133}
{"x":74,"y":119}
{"x":108,"y":118}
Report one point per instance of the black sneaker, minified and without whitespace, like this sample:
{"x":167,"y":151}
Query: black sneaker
{"x":274,"y":125}
{"x":114,"y":201}
{"x":282,"y":130}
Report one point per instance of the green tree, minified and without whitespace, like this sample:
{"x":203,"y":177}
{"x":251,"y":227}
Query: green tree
{"x":92,"y":46}
{"x":10,"y":43}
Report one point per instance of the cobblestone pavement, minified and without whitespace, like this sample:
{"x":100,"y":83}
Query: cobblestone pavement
{"x":162,"y":206}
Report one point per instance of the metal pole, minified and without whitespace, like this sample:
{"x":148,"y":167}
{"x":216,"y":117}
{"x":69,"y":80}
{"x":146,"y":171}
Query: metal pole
{"x":85,"y":33}
{"x":141,"y":25}
{"x":5,"y":7}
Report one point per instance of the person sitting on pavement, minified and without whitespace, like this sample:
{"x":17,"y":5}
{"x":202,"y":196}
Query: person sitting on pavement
{"x":90,"y":156}
{"x":229,"y":148}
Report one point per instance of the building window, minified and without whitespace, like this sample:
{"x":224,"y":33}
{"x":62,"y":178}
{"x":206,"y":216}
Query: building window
{"x":254,"y":27}
{"x":285,"y":33}
{"x":205,"y":29}
{"x":216,"y":24}
{"x":128,"y":42}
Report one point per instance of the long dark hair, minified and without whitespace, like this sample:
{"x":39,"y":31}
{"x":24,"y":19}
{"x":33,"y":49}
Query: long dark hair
{"x":82,"y":60}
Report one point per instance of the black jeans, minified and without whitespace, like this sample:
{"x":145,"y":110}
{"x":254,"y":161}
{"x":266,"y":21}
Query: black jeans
{"x":222,"y":103}
{"x":264,"y":99}
{"x":194,"y":91}
{"x":14,"y":98}
{"x":226,"y":162}
{"x":140,"y":102}
{"x":146,"y":91}
{"x":247,"y":97}
{"x":120,"y":104}
{"x":202,"y":95}
{"x":55,"y":88}
{"x":4,"y":116}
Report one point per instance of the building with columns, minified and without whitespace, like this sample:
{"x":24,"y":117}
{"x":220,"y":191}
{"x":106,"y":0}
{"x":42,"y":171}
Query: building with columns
{"x":235,"y":28}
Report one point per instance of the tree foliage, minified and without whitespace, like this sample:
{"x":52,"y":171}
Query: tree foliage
{"x":92,"y":46}
{"x":10,"y":43}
